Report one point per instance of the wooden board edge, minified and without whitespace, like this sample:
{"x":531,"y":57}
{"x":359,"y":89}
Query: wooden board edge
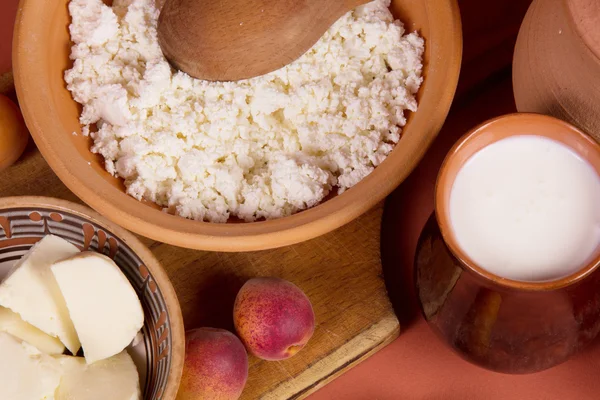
{"x":341,"y":360}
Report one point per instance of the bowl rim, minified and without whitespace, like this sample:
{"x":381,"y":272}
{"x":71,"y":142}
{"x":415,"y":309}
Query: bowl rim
{"x":150,"y":261}
{"x":305,"y":225}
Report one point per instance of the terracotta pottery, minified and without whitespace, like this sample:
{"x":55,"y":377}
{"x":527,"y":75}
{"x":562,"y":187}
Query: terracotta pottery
{"x":160,"y":355}
{"x":41,"y":55}
{"x":501,"y":324}
{"x":556,"y":69}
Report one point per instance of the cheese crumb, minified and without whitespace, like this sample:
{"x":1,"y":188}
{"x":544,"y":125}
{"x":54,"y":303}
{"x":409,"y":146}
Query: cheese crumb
{"x":265,"y":147}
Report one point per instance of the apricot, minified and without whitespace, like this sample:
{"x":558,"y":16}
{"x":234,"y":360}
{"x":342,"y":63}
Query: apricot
{"x":215,"y":367}
{"x":13,"y":133}
{"x":273,"y":317}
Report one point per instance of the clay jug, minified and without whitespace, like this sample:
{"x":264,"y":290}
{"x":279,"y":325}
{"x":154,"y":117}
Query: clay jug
{"x":556,"y":67}
{"x":495,"y":322}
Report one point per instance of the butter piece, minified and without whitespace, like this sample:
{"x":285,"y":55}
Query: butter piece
{"x":12,"y":323}
{"x":103,"y":305}
{"x":31,"y":291}
{"x":25,"y":373}
{"x":115,"y":378}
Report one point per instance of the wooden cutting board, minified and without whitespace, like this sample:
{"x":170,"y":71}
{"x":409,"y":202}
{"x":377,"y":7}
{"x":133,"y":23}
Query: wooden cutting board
{"x":340,"y":273}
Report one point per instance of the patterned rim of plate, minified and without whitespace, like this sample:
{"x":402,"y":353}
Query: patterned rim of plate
{"x":25,"y":220}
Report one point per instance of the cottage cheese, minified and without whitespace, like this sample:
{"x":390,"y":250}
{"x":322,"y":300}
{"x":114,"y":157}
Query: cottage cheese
{"x":260,"y":148}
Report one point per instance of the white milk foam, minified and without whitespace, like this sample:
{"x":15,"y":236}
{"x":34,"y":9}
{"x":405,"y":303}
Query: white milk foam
{"x":527,"y":208}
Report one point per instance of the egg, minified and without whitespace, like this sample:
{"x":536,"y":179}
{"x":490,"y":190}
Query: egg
{"x":13,"y":133}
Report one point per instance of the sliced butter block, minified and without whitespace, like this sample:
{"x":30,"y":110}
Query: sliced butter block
{"x":115,"y":378}
{"x":26,"y":373}
{"x":31,"y":291}
{"x":12,"y":323}
{"x":103,"y":306}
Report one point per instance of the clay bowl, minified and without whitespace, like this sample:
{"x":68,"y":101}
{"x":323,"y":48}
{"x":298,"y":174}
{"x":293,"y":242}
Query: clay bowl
{"x":556,"y":68}
{"x":41,"y":55}
{"x":159,"y":357}
{"x":502,"y":324}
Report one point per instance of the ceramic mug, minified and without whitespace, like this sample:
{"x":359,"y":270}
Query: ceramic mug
{"x":501,"y":324}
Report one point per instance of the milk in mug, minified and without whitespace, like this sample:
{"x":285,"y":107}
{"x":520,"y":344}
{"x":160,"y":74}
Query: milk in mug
{"x":527,"y":208}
